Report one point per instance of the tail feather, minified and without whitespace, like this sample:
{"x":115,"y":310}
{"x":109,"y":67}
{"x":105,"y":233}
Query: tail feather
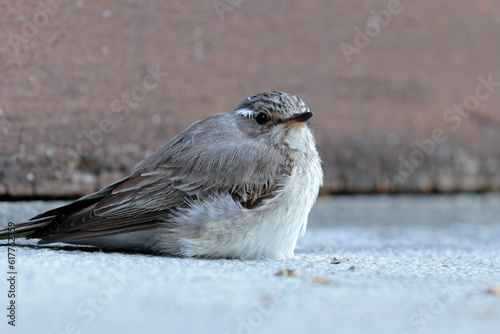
{"x":80,"y":203}
{"x":38,"y":225}
{"x":23,"y":230}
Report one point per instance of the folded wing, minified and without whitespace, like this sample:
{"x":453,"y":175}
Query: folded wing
{"x":176,"y":175}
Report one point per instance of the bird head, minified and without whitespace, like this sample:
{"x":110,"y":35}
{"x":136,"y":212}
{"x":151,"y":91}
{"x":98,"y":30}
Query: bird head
{"x":275,"y":117}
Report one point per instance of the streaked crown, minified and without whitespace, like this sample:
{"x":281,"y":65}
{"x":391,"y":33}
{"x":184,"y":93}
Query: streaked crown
{"x":276,"y":104}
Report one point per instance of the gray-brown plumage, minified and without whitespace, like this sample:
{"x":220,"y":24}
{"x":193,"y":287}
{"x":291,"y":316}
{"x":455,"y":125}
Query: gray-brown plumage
{"x":236,"y":184}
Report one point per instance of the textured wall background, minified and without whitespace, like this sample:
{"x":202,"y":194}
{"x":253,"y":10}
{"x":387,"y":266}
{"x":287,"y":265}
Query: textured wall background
{"x":406,"y":94}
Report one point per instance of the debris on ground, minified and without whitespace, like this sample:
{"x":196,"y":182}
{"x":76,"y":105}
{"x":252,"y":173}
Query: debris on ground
{"x":337,"y":261}
{"x":288,"y":272}
{"x":321,"y":280}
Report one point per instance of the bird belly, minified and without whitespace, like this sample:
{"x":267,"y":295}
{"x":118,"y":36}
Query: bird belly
{"x":222,"y":228}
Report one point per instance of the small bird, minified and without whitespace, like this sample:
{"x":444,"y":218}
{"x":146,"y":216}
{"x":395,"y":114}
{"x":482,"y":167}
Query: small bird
{"x":238,"y":184}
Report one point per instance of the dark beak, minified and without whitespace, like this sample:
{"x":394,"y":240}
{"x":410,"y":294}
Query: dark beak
{"x":301,"y":118}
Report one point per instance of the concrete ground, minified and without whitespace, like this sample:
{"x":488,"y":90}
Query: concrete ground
{"x":367,"y":264}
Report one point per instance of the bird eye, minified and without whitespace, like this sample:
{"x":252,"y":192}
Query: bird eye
{"x":261,"y":118}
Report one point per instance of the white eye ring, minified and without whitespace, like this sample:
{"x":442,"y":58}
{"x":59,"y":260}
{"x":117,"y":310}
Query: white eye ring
{"x":247,"y":113}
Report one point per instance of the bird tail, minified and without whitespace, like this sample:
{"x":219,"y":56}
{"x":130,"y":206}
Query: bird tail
{"x":38,"y":226}
{"x":24,"y":230}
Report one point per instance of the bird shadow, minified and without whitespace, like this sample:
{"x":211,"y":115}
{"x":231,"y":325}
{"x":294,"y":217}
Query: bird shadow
{"x":84,"y":249}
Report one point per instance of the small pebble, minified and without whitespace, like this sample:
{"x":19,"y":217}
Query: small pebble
{"x":288,"y":272}
{"x":321,"y":280}
{"x":494,"y":290}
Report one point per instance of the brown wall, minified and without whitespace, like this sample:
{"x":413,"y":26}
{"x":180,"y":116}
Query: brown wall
{"x":68,"y":68}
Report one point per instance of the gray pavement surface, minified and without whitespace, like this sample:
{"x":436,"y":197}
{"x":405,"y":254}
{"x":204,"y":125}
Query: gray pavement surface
{"x":406,"y":264}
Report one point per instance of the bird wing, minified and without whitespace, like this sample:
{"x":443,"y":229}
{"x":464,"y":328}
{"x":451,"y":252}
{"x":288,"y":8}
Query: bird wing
{"x":177,"y":174}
